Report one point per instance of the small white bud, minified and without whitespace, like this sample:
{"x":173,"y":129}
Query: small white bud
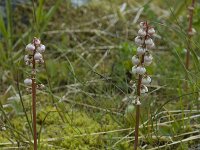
{"x":26,"y":58}
{"x":37,"y":56}
{"x":134,"y":69}
{"x":151,"y":31}
{"x":146,"y":80}
{"x":3,"y":128}
{"x":191,"y":8}
{"x":142,"y":32}
{"x":149,"y":41}
{"x":141,"y":50}
{"x":139,"y":40}
{"x":135,"y":60}
{"x":143,"y":89}
{"x":148,"y":58}
{"x":192,"y":32}
{"x":30,"y":47}
{"x":150,"y":46}
{"x":140,"y":70}
{"x":36,"y":41}
{"x":41,"y":48}
{"x":27,"y":81}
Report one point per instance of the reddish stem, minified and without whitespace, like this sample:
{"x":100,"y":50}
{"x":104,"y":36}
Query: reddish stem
{"x":138,"y":94}
{"x":34,"y":102}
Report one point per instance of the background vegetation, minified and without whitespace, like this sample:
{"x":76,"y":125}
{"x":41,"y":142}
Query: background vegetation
{"x":86,"y":103}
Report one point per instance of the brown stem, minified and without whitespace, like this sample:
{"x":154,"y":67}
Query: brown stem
{"x":138,"y":94}
{"x":34,"y":102}
{"x":187,"y":63}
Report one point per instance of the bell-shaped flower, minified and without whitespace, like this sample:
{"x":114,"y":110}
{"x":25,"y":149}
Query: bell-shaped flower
{"x":135,"y":60}
{"x":146,"y":80}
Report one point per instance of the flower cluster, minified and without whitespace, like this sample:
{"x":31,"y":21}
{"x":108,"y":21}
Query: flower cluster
{"x":34,"y":56}
{"x":143,"y":56}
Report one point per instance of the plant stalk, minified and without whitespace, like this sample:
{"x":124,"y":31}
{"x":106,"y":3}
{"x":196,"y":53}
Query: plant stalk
{"x":187,"y":63}
{"x":34,"y":102}
{"x":138,"y":94}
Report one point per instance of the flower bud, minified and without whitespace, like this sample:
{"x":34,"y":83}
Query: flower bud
{"x":28,"y":81}
{"x":140,"y":70}
{"x":135,"y":60}
{"x":41,"y":48}
{"x":139,"y":40}
{"x":146,"y":80}
{"x":192,"y":32}
{"x":134,"y":69}
{"x":150,"y":46}
{"x":37,"y":41}
{"x":148,"y":58}
{"x":149,"y":41}
{"x":37,"y":56}
{"x":26,"y":58}
{"x":142,"y":33}
{"x":143,"y":89}
{"x":30,"y":47}
{"x":141,"y":50}
{"x":151,"y":31}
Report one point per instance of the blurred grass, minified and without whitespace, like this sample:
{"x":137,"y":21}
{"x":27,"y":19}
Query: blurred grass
{"x":88,"y":73}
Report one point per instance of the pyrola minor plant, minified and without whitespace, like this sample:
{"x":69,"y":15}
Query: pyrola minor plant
{"x":141,"y":60}
{"x":34,"y":57}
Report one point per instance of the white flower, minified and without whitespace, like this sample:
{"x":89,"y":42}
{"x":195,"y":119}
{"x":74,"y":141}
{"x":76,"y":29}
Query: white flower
{"x":151,"y":31}
{"x":28,"y":81}
{"x":149,"y":41}
{"x":143,"y":89}
{"x":147,"y":63}
{"x":37,"y":56}
{"x":134,"y":69}
{"x":150,"y":46}
{"x":192,"y":32}
{"x":139,"y":40}
{"x":142,"y":32}
{"x":37,"y":41}
{"x":26,"y":58}
{"x":135,"y":60}
{"x":41,"y":48}
{"x":146,"y":80}
{"x":141,"y":50}
{"x":148,"y":58}
{"x":140,"y":70}
{"x":30,"y":47}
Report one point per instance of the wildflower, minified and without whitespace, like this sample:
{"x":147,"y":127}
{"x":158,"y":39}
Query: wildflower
{"x":140,"y":70}
{"x":151,"y":31}
{"x":146,"y":80}
{"x":141,"y":50}
{"x":139,"y":40}
{"x":37,"y":56}
{"x":135,"y":60}
{"x":41,"y":48}
{"x":142,"y":32}
{"x":28,"y":81}
{"x":30,"y":47}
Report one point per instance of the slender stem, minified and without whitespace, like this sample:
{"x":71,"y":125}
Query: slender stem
{"x":138,"y":94}
{"x":187,"y":63}
{"x":34,"y":102}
